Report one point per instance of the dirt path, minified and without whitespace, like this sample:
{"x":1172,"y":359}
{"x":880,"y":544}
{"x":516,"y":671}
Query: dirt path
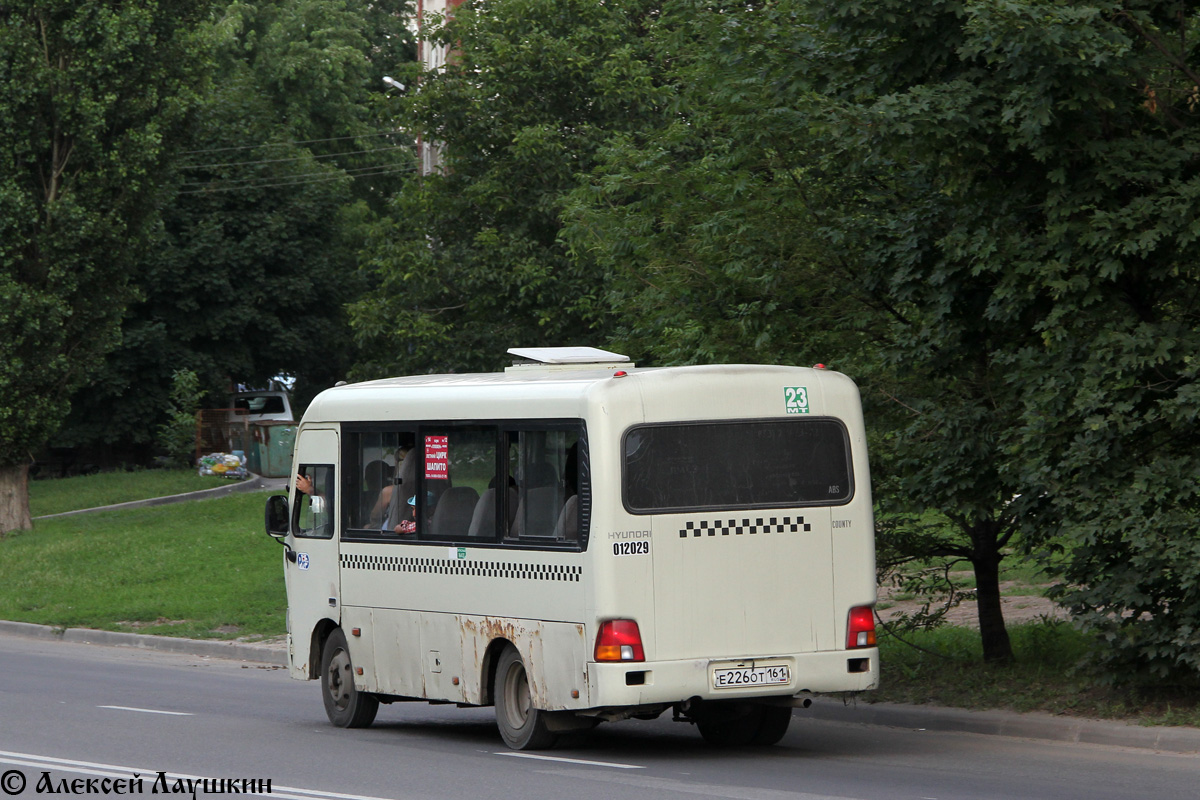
{"x":1017,"y":607}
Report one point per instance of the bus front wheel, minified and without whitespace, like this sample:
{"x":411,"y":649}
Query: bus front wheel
{"x":345,"y":706}
{"x":522,"y":726}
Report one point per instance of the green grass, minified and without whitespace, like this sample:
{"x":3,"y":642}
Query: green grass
{"x":53,"y":496}
{"x":202,"y":569}
{"x":949,"y":671}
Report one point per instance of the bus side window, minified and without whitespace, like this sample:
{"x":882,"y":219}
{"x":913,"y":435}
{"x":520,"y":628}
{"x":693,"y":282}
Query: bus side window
{"x":459,"y":469}
{"x":315,"y":511}
{"x":546,"y":467}
{"x":380,"y":480}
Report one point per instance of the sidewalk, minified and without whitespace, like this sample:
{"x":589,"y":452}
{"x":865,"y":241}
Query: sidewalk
{"x":1031,"y":725}
{"x":274,"y":654}
{"x":251,"y":484}
{"x":1047,"y":727}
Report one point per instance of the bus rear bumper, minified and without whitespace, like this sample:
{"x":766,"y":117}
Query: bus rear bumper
{"x":655,"y":682}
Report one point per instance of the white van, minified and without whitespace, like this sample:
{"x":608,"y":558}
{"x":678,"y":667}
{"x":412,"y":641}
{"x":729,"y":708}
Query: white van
{"x":576,"y":540}
{"x":260,"y":405}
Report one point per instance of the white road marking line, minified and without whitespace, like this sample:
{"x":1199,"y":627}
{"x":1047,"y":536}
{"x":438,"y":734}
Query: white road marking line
{"x":73,"y":770}
{"x":150,"y":775}
{"x":571,"y":760}
{"x":149,"y":711}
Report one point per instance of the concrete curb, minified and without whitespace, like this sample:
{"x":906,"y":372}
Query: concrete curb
{"x":202,"y":648}
{"x":251,"y":484}
{"x":1031,"y":725}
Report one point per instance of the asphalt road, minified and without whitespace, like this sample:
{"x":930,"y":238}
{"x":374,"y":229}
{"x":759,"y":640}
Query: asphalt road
{"x":69,"y":713}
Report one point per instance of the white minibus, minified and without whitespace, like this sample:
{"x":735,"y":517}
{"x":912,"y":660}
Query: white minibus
{"x":576,"y":540}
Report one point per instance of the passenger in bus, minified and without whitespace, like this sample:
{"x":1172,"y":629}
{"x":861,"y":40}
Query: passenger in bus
{"x":396,"y":507}
{"x":405,"y":518}
{"x":315,"y":514}
{"x":377,"y":479}
{"x":304,"y":484}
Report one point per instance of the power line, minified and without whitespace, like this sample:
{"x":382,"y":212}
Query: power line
{"x":317,"y":177}
{"x":252,"y":181}
{"x":299,"y":183}
{"x":287,"y":144}
{"x":294,"y":158}
{"x":295,"y":183}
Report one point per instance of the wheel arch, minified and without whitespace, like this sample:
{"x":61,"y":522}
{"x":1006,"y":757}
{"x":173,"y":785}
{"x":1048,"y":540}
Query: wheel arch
{"x":320,"y":635}
{"x":488,"y":668}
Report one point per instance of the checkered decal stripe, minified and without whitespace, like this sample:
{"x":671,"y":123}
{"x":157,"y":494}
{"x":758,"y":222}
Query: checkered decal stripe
{"x":446,"y":566}
{"x":739,"y":527}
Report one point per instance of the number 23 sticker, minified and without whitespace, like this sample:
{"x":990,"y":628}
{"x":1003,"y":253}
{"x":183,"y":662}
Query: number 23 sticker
{"x":795,"y":399}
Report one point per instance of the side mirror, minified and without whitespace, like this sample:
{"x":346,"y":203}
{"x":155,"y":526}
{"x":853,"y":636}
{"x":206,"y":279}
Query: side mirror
{"x":277,"y":516}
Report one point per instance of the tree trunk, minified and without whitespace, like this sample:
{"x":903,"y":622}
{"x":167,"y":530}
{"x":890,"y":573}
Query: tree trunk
{"x":986,"y":561}
{"x":14,"y":499}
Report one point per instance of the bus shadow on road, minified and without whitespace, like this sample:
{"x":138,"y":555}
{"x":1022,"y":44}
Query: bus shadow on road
{"x":640,"y":741}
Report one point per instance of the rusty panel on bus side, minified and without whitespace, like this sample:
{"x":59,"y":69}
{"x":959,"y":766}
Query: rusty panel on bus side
{"x":422,"y":654}
{"x":555,"y":656}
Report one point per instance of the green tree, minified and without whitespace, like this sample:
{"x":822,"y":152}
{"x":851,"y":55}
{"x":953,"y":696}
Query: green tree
{"x":93,"y":97}
{"x":1062,"y":137}
{"x":286,"y":158}
{"x":469,"y":261}
{"x":709,"y":219}
{"x":1109,"y":391}
{"x":750,"y":228}
{"x":1005,"y":194}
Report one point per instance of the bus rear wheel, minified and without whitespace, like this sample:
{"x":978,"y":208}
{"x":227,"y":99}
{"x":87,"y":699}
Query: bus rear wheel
{"x":522,"y":726}
{"x":773,"y":725}
{"x":345,"y":706}
{"x":729,"y":724}
{"x":733,"y":724}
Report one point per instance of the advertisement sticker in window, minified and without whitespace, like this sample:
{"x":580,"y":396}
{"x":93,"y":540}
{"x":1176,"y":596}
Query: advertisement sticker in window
{"x":437,"y":458}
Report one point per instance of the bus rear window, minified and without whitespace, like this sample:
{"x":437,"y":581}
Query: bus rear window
{"x":703,"y":466}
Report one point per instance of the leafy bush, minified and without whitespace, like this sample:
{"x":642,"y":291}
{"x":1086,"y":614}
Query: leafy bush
{"x":177,"y":436}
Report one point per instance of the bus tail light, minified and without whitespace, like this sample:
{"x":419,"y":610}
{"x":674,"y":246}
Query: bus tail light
{"x":619,"y":640}
{"x":860,"y":632}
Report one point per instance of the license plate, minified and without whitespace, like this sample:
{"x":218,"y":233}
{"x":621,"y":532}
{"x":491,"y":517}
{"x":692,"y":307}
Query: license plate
{"x":741,"y":677}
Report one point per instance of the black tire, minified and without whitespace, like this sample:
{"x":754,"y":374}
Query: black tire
{"x":773,"y":725}
{"x":522,"y":726}
{"x":345,"y":706}
{"x":730,"y":724}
